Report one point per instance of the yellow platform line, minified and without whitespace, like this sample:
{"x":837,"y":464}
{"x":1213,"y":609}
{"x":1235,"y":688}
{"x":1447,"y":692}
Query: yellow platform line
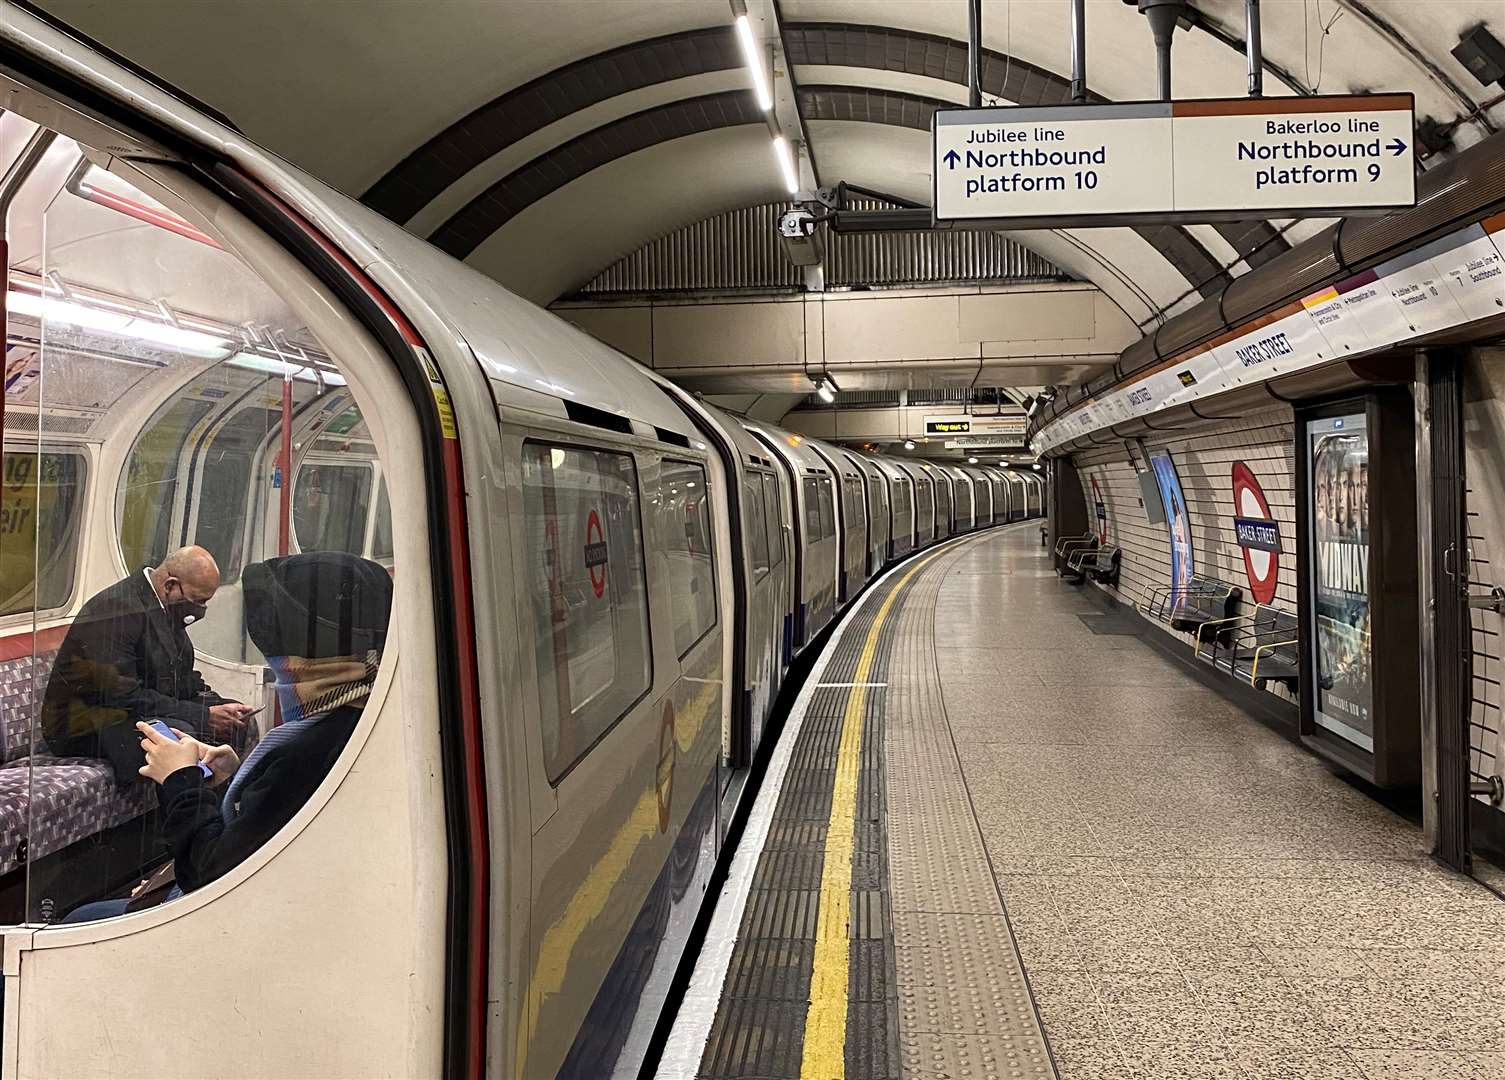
{"x":824,"y":1055}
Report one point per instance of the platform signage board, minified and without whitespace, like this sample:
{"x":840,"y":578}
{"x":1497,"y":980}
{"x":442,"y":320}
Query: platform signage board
{"x":1200,"y":160}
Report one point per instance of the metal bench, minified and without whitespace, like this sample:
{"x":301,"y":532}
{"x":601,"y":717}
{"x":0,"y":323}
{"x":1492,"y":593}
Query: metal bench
{"x":1099,"y":563}
{"x":1066,"y":546}
{"x":1259,"y":648}
{"x":1200,"y":600}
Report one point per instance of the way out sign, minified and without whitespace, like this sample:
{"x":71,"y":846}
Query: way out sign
{"x":1201,"y":160}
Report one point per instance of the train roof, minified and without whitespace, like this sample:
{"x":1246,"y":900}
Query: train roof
{"x":795,"y":448}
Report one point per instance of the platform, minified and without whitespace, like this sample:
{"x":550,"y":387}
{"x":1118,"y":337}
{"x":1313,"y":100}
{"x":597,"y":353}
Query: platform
{"x":1003,"y":836}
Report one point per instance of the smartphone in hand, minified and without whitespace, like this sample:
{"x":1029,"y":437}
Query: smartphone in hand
{"x":165,"y":730}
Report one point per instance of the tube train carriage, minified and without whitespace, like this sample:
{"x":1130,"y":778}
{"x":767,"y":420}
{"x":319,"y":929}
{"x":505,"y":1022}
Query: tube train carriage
{"x":599,"y":584}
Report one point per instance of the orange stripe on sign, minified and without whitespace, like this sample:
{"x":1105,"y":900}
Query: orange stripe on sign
{"x":1277,"y":106}
{"x":1494,"y":223}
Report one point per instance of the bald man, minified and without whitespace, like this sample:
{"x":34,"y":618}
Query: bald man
{"x":127,"y":657}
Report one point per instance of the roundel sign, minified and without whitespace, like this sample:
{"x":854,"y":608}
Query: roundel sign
{"x":595,"y":553}
{"x":1258,"y":533}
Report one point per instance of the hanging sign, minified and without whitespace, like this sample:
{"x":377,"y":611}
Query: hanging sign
{"x":1200,"y":160}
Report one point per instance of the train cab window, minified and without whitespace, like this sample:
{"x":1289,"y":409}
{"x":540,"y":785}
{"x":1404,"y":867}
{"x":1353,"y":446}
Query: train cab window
{"x":755,"y":525}
{"x":330,"y":504}
{"x":827,"y":509}
{"x":813,"y":489}
{"x":589,"y":595}
{"x":692,"y":575}
{"x":40,"y":515}
{"x":773,"y":518}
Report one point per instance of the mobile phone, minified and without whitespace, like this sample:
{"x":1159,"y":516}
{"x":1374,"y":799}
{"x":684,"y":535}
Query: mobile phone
{"x":165,"y":730}
{"x":254,"y":712}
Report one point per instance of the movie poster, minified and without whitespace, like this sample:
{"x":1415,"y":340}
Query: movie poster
{"x":1338,"y":480}
{"x":1177,"y":523}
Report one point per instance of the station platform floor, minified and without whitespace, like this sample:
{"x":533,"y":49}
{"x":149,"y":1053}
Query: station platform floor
{"x":1003,"y":836}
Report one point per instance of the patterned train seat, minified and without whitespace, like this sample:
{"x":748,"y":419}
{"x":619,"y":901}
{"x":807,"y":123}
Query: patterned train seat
{"x":46,"y":802}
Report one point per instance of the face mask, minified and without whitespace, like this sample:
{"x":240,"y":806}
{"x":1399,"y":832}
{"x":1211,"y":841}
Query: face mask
{"x":185,"y":610}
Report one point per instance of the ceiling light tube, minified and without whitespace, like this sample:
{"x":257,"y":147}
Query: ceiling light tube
{"x":192,"y":342}
{"x":753,"y":57}
{"x":909,"y":444}
{"x":785,"y":154}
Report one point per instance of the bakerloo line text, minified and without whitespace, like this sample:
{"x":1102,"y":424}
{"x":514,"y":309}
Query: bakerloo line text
{"x":1080,"y":179}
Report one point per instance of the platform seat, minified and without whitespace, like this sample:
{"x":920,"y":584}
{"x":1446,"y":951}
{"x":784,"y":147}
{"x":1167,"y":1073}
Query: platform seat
{"x":1259,"y":648}
{"x":1201,"y":600}
{"x":48,"y":803}
{"x":1099,"y":563}
{"x":1067,"y":546}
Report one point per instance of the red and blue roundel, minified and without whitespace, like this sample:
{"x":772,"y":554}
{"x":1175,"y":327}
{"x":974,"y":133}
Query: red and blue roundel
{"x":1258,"y":534}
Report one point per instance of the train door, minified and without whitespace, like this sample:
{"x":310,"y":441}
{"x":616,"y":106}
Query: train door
{"x":944,"y":520}
{"x":878,"y":514}
{"x":963,"y":508}
{"x":901,"y":493}
{"x":924,"y":505}
{"x":851,"y":524}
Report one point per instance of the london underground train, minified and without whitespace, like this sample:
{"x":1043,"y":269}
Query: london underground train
{"x":597,"y":583}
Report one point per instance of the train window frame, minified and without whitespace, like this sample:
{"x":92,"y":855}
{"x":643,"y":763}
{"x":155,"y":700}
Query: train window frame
{"x":705,"y":481}
{"x":323,"y":459}
{"x":29,"y":618}
{"x":827,"y":500}
{"x":122,"y":481}
{"x":810,"y":489}
{"x":752,"y":494}
{"x":553,"y":441}
{"x":774,"y":522}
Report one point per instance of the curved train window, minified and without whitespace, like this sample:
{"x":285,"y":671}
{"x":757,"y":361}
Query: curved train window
{"x":330,"y":504}
{"x":812,"y":509}
{"x":827,"y":509}
{"x":692,"y":574}
{"x":40,"y":511}
{"x":773,"y":517}
{"x":227,"y":464}
{"x":755,"y":527}
{"x":589,"y":594}
{"x":149,"y":494}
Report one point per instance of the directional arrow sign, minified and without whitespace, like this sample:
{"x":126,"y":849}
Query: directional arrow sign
{"x":1203,"y":160}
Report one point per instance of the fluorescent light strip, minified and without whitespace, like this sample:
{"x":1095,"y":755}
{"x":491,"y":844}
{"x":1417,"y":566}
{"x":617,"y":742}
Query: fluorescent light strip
{"x":753,"y":57}
{"x":785,"y":154}
{"x":192,"y":342}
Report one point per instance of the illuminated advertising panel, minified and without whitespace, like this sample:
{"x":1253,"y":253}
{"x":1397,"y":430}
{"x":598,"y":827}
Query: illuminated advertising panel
{"x":1338,"y":478}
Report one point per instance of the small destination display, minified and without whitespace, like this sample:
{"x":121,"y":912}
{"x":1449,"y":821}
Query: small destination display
{"x":1187,"y":160}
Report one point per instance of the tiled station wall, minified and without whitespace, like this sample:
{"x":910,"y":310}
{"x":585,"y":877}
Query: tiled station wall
{"x":1204,"y":461}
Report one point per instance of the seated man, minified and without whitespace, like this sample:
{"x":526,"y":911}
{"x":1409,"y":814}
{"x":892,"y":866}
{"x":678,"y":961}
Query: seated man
{"x":127,"y":657}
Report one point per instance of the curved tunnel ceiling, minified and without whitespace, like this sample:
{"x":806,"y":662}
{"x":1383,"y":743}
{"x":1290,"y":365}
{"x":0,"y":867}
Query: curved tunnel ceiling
{"x":544,"y":146}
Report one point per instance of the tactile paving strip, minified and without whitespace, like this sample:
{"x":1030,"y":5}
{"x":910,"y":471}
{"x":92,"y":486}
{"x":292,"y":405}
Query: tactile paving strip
{"x":965,"y":1009}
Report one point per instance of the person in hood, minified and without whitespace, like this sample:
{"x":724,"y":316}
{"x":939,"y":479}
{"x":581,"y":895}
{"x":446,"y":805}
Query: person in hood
{"x":127,"y":658}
